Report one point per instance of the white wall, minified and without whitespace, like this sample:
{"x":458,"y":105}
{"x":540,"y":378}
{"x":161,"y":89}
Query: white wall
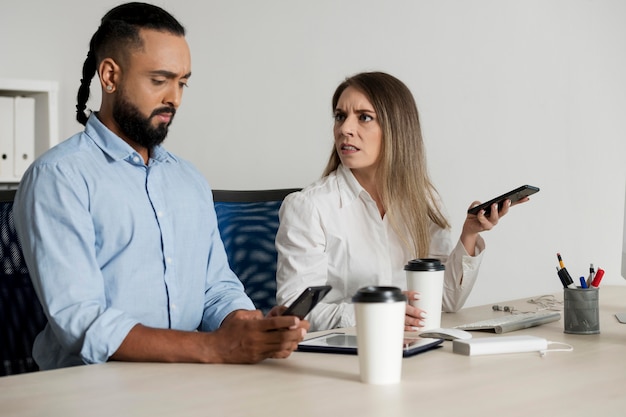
{"x":510,"y":92}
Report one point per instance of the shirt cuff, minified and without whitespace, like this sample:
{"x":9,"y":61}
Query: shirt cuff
{"x":105,"y":336}
{"x":213,"y":320}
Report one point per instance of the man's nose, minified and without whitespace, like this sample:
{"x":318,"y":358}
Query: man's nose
{"x":173,"y":97}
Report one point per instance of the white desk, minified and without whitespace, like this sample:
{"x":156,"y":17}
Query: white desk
{"x":590,"y":381}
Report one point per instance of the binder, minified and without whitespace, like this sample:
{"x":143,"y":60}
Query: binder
{"x":24,"y":135}
{"x":6,"y":137}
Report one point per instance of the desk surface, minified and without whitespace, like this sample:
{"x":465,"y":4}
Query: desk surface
{"x":589,"y":381}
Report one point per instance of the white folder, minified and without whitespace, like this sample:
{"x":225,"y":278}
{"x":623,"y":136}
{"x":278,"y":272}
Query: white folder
{"x":7,"y":134}
{"x":24,"y":134}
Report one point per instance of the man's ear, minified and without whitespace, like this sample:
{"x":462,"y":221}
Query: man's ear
{"x":109,"y":73}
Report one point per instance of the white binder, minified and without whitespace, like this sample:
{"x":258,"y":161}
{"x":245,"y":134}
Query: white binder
{"x":24,"y":142}
{"x":6,"y":137}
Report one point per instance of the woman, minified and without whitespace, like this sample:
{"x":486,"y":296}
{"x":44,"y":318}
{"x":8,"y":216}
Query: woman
{"x":373,"y":210}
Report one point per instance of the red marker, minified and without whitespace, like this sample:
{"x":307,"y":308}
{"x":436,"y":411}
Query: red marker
{"x":596,"y":280}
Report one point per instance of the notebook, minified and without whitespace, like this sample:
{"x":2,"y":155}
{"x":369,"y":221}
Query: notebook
{"x":346,"y":344}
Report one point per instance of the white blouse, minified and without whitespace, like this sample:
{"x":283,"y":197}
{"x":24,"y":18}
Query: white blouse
{"x":331,"y":233}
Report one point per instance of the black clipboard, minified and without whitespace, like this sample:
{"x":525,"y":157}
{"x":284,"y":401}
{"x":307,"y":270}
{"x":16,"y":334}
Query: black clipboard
{"x":346,"y":344}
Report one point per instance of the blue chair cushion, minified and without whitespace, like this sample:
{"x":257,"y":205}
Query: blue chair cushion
{"x":248,"y":230}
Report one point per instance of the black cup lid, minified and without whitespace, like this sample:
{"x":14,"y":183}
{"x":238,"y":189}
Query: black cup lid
{"x":374,"y":294}
{"x":426,"y":264}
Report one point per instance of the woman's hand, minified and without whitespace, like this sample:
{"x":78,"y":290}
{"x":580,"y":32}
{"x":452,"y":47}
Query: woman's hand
{"x":414,"y":317}
{"x":476,"y":223}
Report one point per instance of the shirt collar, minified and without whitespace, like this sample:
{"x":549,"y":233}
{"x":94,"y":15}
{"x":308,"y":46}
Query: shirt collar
{"x":116,"y":147}
{"x":349,"y":187}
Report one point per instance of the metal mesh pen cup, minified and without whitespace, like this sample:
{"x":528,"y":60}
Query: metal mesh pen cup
{"x":582,"y":314}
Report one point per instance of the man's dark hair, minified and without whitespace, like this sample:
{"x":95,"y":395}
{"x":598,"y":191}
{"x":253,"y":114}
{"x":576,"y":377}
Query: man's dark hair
{"x":118,"y":32}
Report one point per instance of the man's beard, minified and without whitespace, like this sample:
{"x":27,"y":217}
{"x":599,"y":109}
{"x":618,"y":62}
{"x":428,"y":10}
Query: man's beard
{"x":137,"y":127}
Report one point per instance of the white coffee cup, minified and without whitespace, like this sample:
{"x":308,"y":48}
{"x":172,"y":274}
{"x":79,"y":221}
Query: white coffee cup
{"x":426,"y":277}
{"x":380,"y":332}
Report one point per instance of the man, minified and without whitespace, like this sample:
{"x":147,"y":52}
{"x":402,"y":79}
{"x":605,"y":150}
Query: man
{"x":121,"y":237}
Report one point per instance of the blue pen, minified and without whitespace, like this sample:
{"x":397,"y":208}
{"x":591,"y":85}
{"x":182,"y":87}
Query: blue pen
{"x":583,"y":283}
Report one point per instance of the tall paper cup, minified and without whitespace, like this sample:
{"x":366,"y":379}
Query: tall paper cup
{"x":426,"y":277}
{"x":380,"y":332}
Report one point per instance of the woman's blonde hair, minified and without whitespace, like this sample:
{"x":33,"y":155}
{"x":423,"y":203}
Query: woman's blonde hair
{"x":407,"y":193}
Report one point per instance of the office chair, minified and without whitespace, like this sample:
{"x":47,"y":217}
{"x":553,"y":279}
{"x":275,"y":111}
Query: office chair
{"x":248,"y":222}
{"x":21,"y":315}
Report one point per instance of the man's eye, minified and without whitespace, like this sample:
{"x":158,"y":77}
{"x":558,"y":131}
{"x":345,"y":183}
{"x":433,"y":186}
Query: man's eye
{"x":183,"y":84}
{"x":158,"y":82}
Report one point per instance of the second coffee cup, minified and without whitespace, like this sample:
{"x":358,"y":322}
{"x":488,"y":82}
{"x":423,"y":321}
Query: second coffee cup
{"x":426,"y":277}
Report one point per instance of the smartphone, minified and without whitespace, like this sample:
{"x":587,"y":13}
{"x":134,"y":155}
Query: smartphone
{"x":306,"y":301}
{"x":513,"y":195}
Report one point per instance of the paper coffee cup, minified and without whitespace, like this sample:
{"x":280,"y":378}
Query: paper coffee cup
{"x":426,"y":277}
{"x":379,"y":315}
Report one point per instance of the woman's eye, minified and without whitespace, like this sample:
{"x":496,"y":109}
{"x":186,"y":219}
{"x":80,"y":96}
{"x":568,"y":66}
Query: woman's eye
{"x":365,"y":117}
{"x":339,"y":117}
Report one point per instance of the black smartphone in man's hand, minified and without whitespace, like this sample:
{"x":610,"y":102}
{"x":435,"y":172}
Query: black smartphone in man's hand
{"x":306,"y":301}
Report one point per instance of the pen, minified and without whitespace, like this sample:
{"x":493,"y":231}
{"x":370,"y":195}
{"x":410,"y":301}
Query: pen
{"x":583,"y":283}
{"x":565,"y":278}
{"x":592,"y":273}
{"x":598,"y":277}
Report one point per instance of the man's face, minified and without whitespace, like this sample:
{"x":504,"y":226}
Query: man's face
{"x":152,"y":87}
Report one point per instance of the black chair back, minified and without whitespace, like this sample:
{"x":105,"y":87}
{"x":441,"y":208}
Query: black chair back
{"x":21,"y":315}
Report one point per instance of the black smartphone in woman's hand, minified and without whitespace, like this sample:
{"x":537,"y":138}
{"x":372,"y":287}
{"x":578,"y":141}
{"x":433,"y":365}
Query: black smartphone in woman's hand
{"x":513,"y":195}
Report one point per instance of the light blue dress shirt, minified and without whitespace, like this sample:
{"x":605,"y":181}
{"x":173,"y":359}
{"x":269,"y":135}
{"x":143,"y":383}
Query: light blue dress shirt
{"x":111,"y":242}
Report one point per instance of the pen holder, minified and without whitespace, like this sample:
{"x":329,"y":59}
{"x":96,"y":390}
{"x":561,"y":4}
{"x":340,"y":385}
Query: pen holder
{"x":582,"y":314}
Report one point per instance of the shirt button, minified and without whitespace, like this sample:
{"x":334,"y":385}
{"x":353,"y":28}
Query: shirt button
{"x":168,"y":260}
{"x":136,"y":159}
{"x":159,"y":213}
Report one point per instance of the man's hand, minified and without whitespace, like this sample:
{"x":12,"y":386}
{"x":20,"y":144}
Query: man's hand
{"x":244,"y":337}
{"x":248,"y":337}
